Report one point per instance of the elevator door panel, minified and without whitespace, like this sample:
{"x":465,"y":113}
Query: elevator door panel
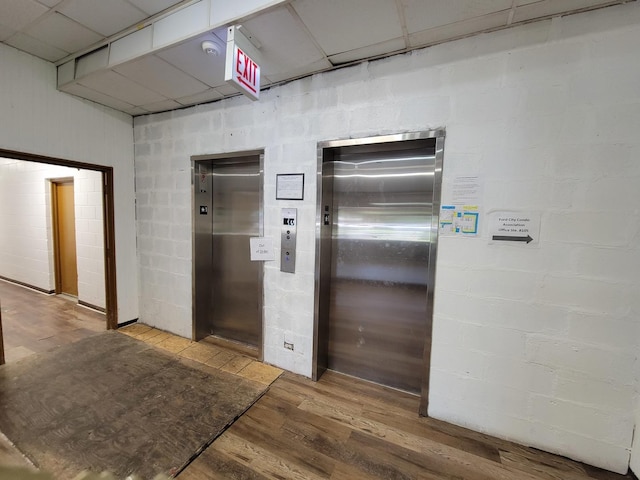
{"x":235,"y":292}
{"x":382,"y":207}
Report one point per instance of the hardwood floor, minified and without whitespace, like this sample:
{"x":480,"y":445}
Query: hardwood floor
{"x":343,"y":428}
{"x":337,"y":428}
{"x":34,"y":322}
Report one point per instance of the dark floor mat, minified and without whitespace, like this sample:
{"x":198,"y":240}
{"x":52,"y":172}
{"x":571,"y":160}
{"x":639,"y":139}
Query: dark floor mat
{"x":110,"y":402}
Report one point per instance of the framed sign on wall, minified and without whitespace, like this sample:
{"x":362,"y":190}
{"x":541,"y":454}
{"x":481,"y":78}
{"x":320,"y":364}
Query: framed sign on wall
{"x":290,"y":186}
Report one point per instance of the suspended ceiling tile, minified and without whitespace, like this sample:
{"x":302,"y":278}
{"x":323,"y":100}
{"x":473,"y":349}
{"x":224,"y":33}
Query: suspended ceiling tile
{"x":151,"y":7}
{"x":525,"y":2}
{"x":421,"y":15}
{"x":227,"y":90}
{"x":301,"y":71}
{"x":106,"y":18}
{"x":341,"y":26}
{"x":98,"y":97}
{"x":189,"y":57}
{"x":50,"y":3}
{"x":63,"y":33}
{"x":552,"y":7}
{"x":204,"y":97}
{"x":286,"y":45}
{"x":162,"y":106}
{"x":36,"y":47}
{"x":459,"y":29}
{"x":115,"y":85}
{"x":395,"y":45}
{"x":162,"y":77}
{"x":5,"y":32}
{"x":136,"y":111}
{"x":17,"y":14}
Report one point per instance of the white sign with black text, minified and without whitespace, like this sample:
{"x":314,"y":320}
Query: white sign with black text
{"x":514,"y":227}
{"x":262,"y":249}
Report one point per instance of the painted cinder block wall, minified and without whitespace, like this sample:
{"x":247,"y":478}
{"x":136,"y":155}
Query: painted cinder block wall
{"x":26,"y":239}
{"x":531,"y":343}
{"x":37,"y":119}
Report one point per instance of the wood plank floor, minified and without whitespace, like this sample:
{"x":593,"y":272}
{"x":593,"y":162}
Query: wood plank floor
{"x":343,"y":428}
{"x":337,"y":428}
{"x":34,"y":322}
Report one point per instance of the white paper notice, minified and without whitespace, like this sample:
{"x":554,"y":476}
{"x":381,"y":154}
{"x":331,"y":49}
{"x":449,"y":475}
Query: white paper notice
{"x":261,"y":249}
{"x":467,"y":190}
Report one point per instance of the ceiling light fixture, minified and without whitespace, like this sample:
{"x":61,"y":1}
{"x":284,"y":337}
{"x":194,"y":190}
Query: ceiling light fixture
{"x":210,"y":48}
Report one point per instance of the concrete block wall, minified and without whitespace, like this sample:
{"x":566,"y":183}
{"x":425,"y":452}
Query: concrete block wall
{"x":534,"y":343}
{"x":37,"y":119}
{"x":26,"y":239}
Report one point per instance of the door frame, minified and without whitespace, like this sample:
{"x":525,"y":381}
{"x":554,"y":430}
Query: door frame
{"x":196,"y":333}
{"x":323,"y":252}
{"x":111,"y":297}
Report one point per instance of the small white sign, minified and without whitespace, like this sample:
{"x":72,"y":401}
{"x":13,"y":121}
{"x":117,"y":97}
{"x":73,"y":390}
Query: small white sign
{"x":242,"y":72}
{"x":512,"y":227}
{"x":466,"y":190}
{"x":261,"y":249}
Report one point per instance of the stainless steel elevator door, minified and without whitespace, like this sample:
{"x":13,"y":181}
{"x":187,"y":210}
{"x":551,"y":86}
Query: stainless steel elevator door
{"x":228,"y":285}
{"x":382,"y":207}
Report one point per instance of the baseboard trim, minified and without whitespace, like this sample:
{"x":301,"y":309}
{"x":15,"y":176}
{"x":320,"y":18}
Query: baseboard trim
{"x":129,"y":322}
{"x":92,"y":307}
{"x":27,"y":285}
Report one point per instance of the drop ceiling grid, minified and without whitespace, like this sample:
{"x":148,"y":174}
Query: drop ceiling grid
{"x":18,"y":14}
{"x":63,"y":33}
{"x":117,"y":86}
{"x":340,"y":26}
{"x":162,"y":77}
{"x":189,"y":57}
{"x":106,"y":18}
{"x":421,"y":15}
{"x":286,"y":45}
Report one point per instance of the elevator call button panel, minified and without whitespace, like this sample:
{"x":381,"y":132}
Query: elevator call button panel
{"x":289,"y":223}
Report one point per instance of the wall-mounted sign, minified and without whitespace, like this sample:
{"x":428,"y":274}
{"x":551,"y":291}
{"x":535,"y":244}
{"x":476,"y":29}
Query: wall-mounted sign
{"x":290,"y":186}
{"x":241,"y":70}
{"x":518,"y":228}
{"x":459,"y":220}
{"x":261,"y":249}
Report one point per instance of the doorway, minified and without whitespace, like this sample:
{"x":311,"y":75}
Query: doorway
{"x":108,"y":219}
{"x":375,"y":258}
{"x":227,"y":212}
{"x":64,"y":237}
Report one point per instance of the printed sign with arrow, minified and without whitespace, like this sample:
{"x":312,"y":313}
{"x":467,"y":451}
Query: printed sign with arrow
{"x":508,"y":238}
{"x":517,"y":228}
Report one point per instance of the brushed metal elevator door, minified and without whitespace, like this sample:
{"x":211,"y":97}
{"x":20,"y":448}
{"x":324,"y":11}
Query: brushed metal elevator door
{"x":380,"y":233}
{"x":236,"y":218}
{"x":228,"y":285}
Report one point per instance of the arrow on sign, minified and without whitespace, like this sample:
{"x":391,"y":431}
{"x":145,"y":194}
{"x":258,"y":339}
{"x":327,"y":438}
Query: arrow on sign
{"x":507,"y":238}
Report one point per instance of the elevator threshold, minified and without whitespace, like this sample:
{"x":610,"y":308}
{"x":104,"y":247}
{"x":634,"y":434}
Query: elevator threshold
{"x":241,"y":348}
{"x":372,"y":382}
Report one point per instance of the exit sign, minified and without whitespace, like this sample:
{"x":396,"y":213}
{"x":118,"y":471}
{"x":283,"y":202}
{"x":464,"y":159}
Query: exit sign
{"x":242,"y":72}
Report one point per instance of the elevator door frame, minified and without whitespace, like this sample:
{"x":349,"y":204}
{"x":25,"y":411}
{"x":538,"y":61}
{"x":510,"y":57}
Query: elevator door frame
{"x":198,"y":333}
{"x":323,"y":252}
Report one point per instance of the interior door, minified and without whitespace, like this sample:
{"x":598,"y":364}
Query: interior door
{"x":65,"y":236}
{"x":380,"y":220}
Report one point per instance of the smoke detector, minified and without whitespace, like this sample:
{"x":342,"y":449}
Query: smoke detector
{"x":210,"y":48}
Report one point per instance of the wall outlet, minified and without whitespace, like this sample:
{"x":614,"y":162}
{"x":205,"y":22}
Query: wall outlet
{"x":288,"y":345}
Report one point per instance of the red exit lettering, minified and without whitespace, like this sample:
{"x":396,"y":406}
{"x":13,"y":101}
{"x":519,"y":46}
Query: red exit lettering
{"x":246,"y":69}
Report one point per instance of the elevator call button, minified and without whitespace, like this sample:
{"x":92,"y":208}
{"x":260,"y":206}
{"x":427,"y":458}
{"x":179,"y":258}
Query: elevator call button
{"x":204,"y":209}
{"x":288,"y":240}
